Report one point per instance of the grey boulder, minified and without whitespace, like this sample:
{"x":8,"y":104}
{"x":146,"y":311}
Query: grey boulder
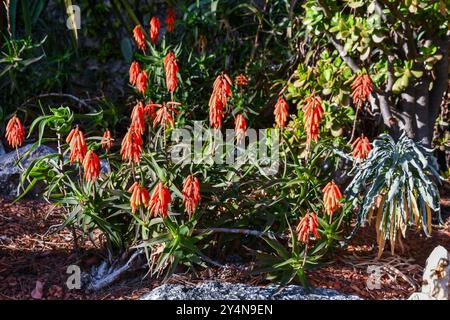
{"x":214,"y":290}
{"x":10,"y":171}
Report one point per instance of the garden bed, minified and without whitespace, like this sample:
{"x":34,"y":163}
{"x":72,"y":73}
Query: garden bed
{"x":28,"y":254}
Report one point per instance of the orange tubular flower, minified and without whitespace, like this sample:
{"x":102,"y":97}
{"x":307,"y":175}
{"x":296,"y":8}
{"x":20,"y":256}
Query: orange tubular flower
{"x":149,"y":111}
{"x":106,"y":140}
{"x":141,"y":82}
{"x":240,"y":127}
{"x":15,"y":134}
{"x":191,"y":194}
{"x":163,"y":115}
{"x":139,"y":37}
{"x":132,"y":146}
{"x":362,"y":88}
{"x":154,"y":29}
{"x":77,"y":145}
{"x":159,"y":201}
{"x":135,"y":69}
{"x":241,"y":80}
{"x":218,"y":100}
{"x":139,"y":196}
{"x":138,"y":118}
{"x":331,"y":197}
{"x":171,"y":68}
{"x":307,"y":225}
{"x":281,"y":113}
{"x":361,"y":148}
{"x":170,"y":19}
{"x":313,"y":113}
{"x":91,"y":165}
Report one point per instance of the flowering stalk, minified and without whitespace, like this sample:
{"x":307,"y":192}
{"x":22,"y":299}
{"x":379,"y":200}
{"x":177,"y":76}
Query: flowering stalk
{"x":139,"y":37}
{"x":77,"y":145}
{"x":313,"y":113}
{"x":131,"y":146}
{"x":170,"y":19}
{"x":135,"y":70}
{"x":171,"y":69}
{"x":307,"y":225}
{"x":240,"y":127}
{"x":107,"y":140}
{"x":139,"y":196}
{"x":154,"y":29}
{"x":331,"y":198}
{"x":159,"y":201}
{"x":362,"y":88}
{"x":281,"y":113}
{"x":361,"y":148}
{"x":141,"y":82}
{"x":219,"y":99}
{"x":138,"y":118}
{"x":15,"y":133}
{"x":191,"y":194}
{"x":91,"y":165}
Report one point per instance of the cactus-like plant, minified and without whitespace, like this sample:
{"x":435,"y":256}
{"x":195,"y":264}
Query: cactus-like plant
{"x":397,"y":186}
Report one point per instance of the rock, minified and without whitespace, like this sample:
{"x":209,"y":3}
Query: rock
{"x":214,"y":290}
{"x":10,"y":171}
{"x":436,"y":277}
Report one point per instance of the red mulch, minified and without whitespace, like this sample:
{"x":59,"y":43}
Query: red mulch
{"x":28,"y":254}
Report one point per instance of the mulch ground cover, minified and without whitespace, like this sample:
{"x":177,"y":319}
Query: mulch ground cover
{"x":33,"y":261}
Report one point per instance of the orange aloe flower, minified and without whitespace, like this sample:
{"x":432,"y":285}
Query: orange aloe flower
{"x":138,"y":118}
{"x":91,"y":165}
{"x":163,"y":115}
{"x":131,"y":146}
{"x":240,"y":127}
{"x":217,"y":102}
{"x":361,"y":147}
{"x":170,"y":19}
{"x":154,"y":29}
{"x":331,"y":197}
{"x":191,"y":194}
{"x":106,"y":140}
{"x":171,"y":68}
{"x":281,"y":113}
{"x":313,"y":113}
{"x":77,"y":145}
{"x":139,"y":196}
{"x":139,"y":37}
{"x":149,"y":111}
{"x":15,"y":134}
{"x":141,"y":82}
{"x":362,"y":88}
{"x":241,"y":80}
{"x":307,"y":225}
{"x":135,"y":69}
{"x":159,"y":201}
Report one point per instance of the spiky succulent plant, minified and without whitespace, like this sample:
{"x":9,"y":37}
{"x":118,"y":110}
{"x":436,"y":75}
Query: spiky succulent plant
{"x":397,"y":185}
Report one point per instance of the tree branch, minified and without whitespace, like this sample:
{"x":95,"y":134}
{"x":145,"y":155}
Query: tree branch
{"x":340,"y":48}
{"x":440,"y":82}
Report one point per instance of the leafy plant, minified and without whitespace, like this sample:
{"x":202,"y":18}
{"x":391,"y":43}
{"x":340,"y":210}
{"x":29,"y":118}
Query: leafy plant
{"x":396,"y":185}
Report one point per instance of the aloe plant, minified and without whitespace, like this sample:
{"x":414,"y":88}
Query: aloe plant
{"x":397,"y":185}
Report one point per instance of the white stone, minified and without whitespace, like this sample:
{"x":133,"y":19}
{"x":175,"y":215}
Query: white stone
{"x":436,"y":277}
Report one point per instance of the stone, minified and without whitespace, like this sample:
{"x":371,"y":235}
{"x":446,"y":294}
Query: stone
{"x":10,"y":171}
{"x":436,"y":277}
{"x":214,"y":290}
